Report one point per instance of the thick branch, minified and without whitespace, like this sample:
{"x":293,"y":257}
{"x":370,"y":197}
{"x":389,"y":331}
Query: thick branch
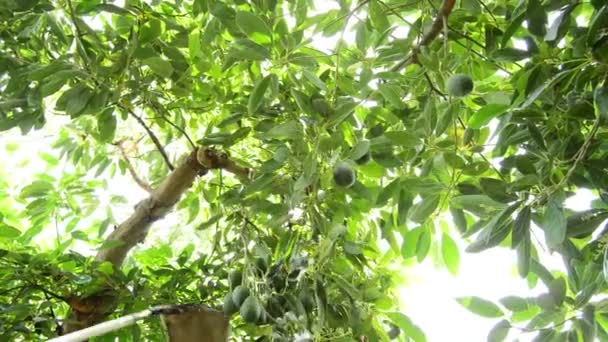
{"x":444,"y":12}
{"x":90,"y":310}
{"x":155,"y":207}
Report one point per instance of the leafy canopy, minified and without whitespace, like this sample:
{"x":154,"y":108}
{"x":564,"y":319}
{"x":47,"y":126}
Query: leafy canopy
{"x":250,"y":77}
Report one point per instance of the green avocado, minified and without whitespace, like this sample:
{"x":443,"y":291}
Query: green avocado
{"x":235,"y":278}
{"x":261,"y":264}
{"x":344,"y":175}
{"x":240,"y":294}
{"x":251,"y":310}
{"x":460,"y":85}
{"x":230,"y":306}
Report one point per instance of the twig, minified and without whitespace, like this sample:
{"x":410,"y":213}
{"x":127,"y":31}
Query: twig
{"x":444,"y":12}
{"x":433,"y":88}
{"x":174,"y":125}
{"x":144,"y":185}
{"x":153,"y":137}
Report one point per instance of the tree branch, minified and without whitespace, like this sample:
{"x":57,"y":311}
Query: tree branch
{"x":153,"y":137}
{"x":143,"y":184}
{"x":444,"y":12}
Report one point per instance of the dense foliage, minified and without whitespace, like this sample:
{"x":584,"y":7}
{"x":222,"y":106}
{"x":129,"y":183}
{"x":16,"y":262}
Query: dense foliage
{"x":364,"y":156}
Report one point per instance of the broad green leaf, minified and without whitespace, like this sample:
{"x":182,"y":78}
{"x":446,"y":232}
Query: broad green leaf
{"x":557,"y":289}
{"x":496,"y":189}
{"x":600,"y":97}
{"x":159,"y":65}
{"x":514,"y":303}
{"x":450,"y":254}
{"x":253,"y":26}
{"x":524,"y":256}
{"x":483,"y":116}
{"x":402,"y":138}
{"x":410,"y":329}
{"x":497,"y":229}
{"x":290,"y":129}
{"x":392,"y":94}
{"x":459,"y":219}
{"x":584,"y":223}
{"x":480,"y":306}
{"x":248,"y":50}
{"x":106,"y":125}
{"x":410,"y":241}
{"x":480,"y":205}
{"x":521,"y":227}
{"x":8,"y":231}
{"x":499,"y":332}
{"x":423,"y":245}
{"x":257,"y":95}
{"x":314,"y":79}
{"x":554,"y":223}
{"x":194,"y":44}
{"x":359,"y":150}
{"x":422,"y":210}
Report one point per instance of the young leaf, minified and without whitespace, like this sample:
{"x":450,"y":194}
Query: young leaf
{"x":483,"y":116}
{"x":480,"y":306}
{"x":450,"y":254}
{"x":257,"y":95}
{"x":499,"y":332}
{"x":159,"y":66}
{"x":410,"y":329}
{"x":521,"y":227}
{"x":554,"y":223}
{"x":253,"y":26}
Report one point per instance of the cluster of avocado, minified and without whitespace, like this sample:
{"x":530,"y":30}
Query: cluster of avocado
{"x":242,"y":301}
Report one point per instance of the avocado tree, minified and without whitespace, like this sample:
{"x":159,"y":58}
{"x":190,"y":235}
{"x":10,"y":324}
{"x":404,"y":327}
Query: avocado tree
{"x":296,"y":156}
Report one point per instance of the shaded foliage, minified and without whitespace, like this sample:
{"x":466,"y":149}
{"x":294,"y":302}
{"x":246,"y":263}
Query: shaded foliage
{"x":249,"y":77}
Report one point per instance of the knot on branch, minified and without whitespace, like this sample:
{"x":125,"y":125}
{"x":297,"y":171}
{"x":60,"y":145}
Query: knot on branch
{"x":210,"y":159}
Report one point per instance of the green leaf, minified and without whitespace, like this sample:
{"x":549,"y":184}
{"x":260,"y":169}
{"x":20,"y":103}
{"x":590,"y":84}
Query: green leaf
{"x":422,"y":210}
{"x":359,"y":150}
{"x":248,"y":50}
{"x":392,"y":94}
{"x":8,"y":231}
{"x":495,"y":231}
{"x":106,"y":125}
{"x":480,"y":306}
{"x":160,"y":66}
{"x":423,"y":244}
{"x":314,"y":79}
{"x":459,"y":219}
{"x":77,"y":103}
{"x":600,"y":98}
{"x":403,"y":138}
{"x":521,"y":228}
{"x":584,"y":223}
{"x":499,"y":332}
{"x":554,"y":223}
{"x":496,"y":189}
{"x":557,"y":289}
{"x":257,"y":95}
{"x":253,"y":26}
{"x":480,"y":205}
{"x":410,"y":329}
{"x":486,"y":113}
{"x":514,"y":303}
{"x":290,"y":129}
{"x":450,"y":254}
{"x":194,"y":44}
